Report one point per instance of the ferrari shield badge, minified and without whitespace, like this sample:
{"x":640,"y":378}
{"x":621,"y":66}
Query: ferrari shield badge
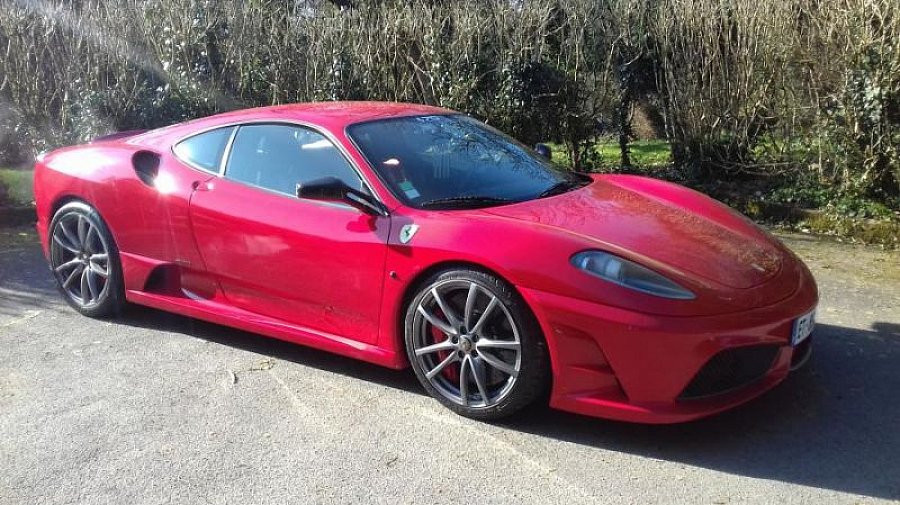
{"x":407,"y":232}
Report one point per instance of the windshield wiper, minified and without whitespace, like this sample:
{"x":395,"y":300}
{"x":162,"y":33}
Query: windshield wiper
{"x":559,"y":188}
{"x":465,"y":201}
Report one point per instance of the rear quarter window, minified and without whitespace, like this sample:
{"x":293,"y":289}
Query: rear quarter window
{"x":204,"y":150}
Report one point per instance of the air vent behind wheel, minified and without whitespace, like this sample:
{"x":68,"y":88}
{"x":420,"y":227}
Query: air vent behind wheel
{"x":146,"y":166}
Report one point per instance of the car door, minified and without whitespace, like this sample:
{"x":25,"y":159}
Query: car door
{"x":314,"y":264}
{"x":152,"y":217}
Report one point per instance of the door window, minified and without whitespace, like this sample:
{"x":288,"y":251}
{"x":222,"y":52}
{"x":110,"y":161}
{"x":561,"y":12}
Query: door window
{"x":204,"y":150}
{"x":278,"y":157}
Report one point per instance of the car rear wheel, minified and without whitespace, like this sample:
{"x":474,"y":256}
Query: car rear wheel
{"x":474,"y":345}
{"x":85,"y":261}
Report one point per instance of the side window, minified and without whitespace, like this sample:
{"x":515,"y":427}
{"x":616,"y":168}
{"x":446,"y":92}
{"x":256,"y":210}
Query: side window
{"x":278,"y":157}
{"x":204,"y":150}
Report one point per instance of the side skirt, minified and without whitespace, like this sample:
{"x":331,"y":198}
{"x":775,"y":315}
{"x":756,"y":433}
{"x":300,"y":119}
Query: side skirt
{"x":227,"y":315}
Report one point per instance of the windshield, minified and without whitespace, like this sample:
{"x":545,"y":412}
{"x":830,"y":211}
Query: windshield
{"x":456,"y":162}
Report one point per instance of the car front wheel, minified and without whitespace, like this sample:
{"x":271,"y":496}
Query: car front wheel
{"x":474,"y":344}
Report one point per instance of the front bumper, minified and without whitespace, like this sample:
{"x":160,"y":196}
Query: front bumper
{"x":619,"y":364}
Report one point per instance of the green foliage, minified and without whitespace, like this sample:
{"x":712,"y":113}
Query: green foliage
{"x":814,"y":194}
{"x":529,"y":101}
{"x":861,"y":125}
{"x":885,"y":233}
{"x":16,"y":186}
{"x":646,"y":155}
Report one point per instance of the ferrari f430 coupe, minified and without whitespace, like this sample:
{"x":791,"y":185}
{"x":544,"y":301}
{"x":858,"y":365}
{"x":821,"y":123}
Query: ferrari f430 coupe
{"x":408,"y":235}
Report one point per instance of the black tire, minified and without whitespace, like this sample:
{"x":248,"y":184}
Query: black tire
{"x":111,"y":297}
{"x":533,"y":375}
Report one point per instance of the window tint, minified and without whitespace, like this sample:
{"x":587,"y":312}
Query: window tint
{"x":204,"y":150}
{"x":278,"y":157}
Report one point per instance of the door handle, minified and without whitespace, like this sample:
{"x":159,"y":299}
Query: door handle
{"x":201,"y":186}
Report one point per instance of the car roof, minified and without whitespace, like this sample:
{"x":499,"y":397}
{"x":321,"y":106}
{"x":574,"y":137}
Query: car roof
{"x":333,"y":115}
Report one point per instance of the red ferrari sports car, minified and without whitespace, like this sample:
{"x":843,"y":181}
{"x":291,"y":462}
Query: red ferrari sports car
{"x":408,"y":235}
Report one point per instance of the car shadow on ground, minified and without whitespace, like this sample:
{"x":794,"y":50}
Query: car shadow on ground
{"x":145,"y":317}
{"x":25,"y":281}
{"x":832,"y":424}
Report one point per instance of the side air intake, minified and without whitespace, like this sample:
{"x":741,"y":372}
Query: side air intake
{"x":146,"y":166}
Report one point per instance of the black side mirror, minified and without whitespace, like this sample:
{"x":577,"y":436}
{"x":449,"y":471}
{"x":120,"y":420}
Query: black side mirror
{"x":332,"y":189}
{"x":544,"y":150}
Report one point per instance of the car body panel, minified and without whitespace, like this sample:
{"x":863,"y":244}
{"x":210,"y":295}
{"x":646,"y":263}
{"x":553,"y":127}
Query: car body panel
{"x":330,"y":276}
{"x":673,"y":225}
{"x":303,"y":262}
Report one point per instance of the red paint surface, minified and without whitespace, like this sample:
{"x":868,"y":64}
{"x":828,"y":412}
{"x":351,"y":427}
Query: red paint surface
{"x":317,"y":274}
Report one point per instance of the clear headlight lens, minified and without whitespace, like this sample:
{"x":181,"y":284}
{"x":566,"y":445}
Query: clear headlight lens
{"x":629,"y":274}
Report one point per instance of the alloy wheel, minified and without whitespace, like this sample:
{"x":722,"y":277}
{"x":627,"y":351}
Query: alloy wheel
{"x":467,"y":343}
{"x":79,"y":257}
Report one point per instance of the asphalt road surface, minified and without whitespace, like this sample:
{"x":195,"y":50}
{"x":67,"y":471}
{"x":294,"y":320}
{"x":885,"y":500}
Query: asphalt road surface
{"x":157,"y":408}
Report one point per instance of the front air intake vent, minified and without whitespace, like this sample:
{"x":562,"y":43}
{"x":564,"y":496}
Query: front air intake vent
{"x":731,"y":369}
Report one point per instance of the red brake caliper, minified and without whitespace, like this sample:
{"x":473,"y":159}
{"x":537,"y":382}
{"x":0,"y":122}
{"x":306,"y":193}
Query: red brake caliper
{"x":450,"y":372}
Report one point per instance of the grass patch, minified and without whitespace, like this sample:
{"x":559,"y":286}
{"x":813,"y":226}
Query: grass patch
{"x":17,"y":185}
{"x":644,"y":153}
{"x":653,"y":153}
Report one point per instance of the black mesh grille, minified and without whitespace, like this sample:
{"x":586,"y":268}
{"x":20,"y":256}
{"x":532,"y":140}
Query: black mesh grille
{"x":730,"y":369}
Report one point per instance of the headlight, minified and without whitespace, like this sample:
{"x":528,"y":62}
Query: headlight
{"x":629,"y":274}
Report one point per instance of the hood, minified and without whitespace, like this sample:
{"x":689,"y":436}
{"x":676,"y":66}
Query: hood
{"x":656,"y":222}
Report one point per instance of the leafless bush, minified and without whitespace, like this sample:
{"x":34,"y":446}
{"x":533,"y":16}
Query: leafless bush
{"x":856,"y":59}
{"x":776,"y":86}
{"x":726,"y":76}
{"x":74,"y":68}
{"x":766,"y":87}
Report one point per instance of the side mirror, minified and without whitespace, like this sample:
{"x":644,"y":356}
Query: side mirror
{"x":544,"y":150}
{"x":332,"y":189}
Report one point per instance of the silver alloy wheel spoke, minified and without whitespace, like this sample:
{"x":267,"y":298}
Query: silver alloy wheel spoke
{"x":95,"y":268}
{"x":73,"y":239}
{"x":71,"y":278}
{"x":101,"y":270}
{"x":446,"y":345}
{"x":497,"y":344}
{"x":443,"y":364}
{"x":470,"y":304}
{"x":68,"y":264}
{"x":64,"y":243}
{"x":83,"y":226}
{"x":498,"y":364}
{"x":85,"y":299}
{"x":436,"y":322}
{"x":88,"y":243}
{"x":478,"y":374}
{"x":484,"y":316}
{"x":448,"y":313}
{"x":92,"y":283}
{"x":464,"y":380}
